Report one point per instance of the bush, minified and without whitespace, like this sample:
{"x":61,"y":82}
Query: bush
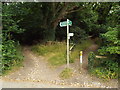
{"x":107,"y":68}
{"x":111,"y":42}
{"x":11,"y":55}
{"x":104,"y":73}
{"x":91,"y":60}
{"x":110,"y":48}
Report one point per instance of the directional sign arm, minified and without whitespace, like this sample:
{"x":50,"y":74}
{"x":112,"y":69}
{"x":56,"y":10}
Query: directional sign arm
{"x":63,"y":24}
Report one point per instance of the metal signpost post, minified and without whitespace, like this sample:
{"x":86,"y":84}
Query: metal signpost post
{"x":68,"y":37}
{"x":63,"y":24}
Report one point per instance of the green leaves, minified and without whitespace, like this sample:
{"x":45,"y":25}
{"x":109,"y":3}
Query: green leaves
{"x":9,"y":50}
{"x":9,"y":24}
{"x":10,"y":55}
{"x":110,"y":50}
{"x":91,"y":60}
{"x":106,"y":69}
{"x":111,"y":42}
{"x":112,"y":36}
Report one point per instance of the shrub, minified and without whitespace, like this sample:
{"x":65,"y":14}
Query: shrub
{"x":11,"y":55}
{"x":107,"y":68}
{"x":91,"y":59}
{"x":104,"y":73}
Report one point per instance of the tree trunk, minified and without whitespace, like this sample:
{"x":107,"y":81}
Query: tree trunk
{"x":49,"y":34}
{"x":57,"y":15}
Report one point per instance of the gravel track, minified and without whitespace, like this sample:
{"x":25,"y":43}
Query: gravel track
{"x":37,"y":73}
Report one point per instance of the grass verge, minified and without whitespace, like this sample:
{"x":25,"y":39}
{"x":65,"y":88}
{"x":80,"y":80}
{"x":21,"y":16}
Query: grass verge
{"x":66,"y":73}
{"x":56,"y":53}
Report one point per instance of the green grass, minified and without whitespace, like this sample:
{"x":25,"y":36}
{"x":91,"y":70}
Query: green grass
{"x":56,"y":53}
{"x":45,"y":50}
{"x":66,"y":73}
{"x":79,"y":47}
{"x":57,"y":59}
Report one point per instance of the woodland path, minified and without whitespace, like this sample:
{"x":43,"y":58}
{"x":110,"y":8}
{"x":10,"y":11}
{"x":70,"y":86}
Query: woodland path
{"x":37,"y":73}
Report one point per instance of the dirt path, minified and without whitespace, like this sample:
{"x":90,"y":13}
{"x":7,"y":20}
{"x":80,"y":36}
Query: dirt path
{"x":38,"y":73}
{"x":84,"y":78}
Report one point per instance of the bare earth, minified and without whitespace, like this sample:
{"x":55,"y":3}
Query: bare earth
{"x":37,"y":73}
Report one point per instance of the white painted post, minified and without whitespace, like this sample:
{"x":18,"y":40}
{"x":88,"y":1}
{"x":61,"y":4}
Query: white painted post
{"x":63,"y":24}
{"x":68,"y":43}
{"x":81,"y":60}
{"x":81,"y":57}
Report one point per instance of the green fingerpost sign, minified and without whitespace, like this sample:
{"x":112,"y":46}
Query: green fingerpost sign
{"x":63,"y":24}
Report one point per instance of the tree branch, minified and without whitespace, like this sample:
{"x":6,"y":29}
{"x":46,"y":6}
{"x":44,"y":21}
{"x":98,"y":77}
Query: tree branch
{"x":61,"y":14}
{"x":74,"y":10}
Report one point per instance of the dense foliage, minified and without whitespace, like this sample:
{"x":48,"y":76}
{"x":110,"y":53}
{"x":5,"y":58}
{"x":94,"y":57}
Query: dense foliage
{"x":91,"y":60}
{"x":10,"y":54}
{"x":42,"y":22}
{"x":112,"y":43}
{"x":107,"y":68}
